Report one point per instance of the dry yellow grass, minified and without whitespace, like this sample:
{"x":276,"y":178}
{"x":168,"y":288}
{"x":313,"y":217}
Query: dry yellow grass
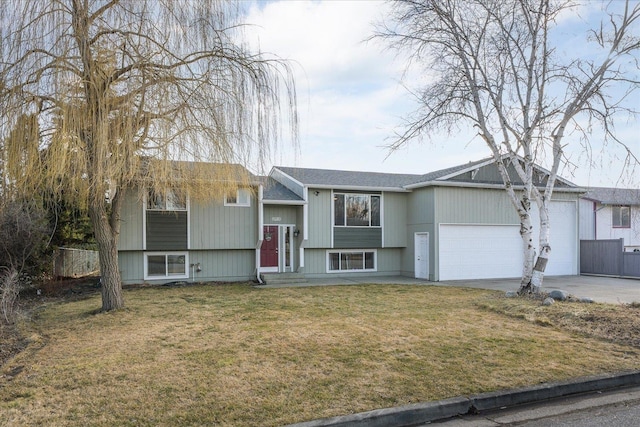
{"x":236,"y":355}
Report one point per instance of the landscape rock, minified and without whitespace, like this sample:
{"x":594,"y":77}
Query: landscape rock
{"x":558,"y":295}
{"x":548,"y":301}
{"x":511,"y":294}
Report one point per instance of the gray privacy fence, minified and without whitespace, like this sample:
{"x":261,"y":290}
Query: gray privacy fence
{"x":607,"y":257}
{"x":68,"y":262}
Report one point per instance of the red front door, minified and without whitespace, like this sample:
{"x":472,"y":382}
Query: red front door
{"x":269,"y":249}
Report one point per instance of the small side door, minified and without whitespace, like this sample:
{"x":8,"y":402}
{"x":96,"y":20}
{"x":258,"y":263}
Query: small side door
{"x":421,"y":250}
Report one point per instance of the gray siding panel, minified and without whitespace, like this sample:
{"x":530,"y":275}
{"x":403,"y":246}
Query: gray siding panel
{"x":357,"y":237}
{"x":131,"y":266}
{"x":474,"y":206}
{"x":319,"y":219}
{"x":131,"y":222}
{"x":215,"y":226}
{"x":218,"y":265}
{"x":395,"y":219}
{"x":221,"y":265}
{"x":276,"y":214}
{"x":166,"y":231}
{"x":420,"y":214}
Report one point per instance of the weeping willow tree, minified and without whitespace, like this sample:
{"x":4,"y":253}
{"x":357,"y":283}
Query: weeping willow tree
{"x":103,"y":97}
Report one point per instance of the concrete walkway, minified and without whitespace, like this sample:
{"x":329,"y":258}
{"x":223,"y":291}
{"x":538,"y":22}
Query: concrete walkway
{"x":600,"y":289}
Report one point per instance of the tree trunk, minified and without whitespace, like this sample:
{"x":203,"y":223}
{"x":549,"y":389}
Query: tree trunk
{"x":534,"y":285}
{"x":107,"y":240}
{"x":528,"y":250}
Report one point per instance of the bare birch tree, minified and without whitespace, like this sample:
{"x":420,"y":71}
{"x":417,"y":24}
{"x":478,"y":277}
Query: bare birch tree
{"x":494,"y":68}
{"x":98,"y":95}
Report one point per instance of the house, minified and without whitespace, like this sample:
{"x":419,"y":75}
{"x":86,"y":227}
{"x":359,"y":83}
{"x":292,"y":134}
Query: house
{"x":611,"y":213}
{"x":456,"y":223}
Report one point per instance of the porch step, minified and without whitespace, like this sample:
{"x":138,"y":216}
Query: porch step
{"x":282,"y":278}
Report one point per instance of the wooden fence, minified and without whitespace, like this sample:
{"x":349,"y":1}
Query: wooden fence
{"x":68,"y":262}
{"x":608,"y":258}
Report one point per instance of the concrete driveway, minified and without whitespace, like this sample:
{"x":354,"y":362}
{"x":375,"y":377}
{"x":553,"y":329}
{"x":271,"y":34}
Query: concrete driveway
{"x":599,"y":289}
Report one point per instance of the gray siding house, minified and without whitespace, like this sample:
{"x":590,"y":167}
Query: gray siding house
{"x":451,"y":224}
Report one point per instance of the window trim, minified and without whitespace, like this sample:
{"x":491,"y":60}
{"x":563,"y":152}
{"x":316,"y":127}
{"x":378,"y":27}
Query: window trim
{"x":619,"y":216}
{"x":346,"y":251}
{"x":165,"y":209}
{"x":346,"y":218}
{"x":238,"y":198}
{"x":167,"y":275}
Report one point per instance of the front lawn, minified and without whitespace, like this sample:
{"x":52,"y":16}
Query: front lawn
{"x":237,"y":355}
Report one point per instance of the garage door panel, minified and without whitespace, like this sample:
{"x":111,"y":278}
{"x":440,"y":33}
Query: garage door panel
{"x":480,"y":251}
{"x":563,"y":238}
{"x":495,"y":251}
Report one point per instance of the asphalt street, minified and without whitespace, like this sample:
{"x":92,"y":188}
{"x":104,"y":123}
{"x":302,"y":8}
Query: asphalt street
{"x":616,"y":408}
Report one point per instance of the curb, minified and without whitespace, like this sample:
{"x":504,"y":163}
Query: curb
{"x":421,"y":413}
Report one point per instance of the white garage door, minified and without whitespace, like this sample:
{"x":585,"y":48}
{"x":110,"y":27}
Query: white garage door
{"x":563,"y":239}
{"x":480,"y":251}
{"x":495,"y":251}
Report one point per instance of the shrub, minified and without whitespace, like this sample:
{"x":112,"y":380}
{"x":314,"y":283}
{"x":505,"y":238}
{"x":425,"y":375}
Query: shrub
{"x":9,"y":290}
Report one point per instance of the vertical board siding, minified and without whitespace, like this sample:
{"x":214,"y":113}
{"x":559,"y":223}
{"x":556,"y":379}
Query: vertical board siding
{"x":601,"y":257}
{"x":395,"y":219}
{"x":586,"y":221}
{"x":131,"y":222}
{"x":221,"y":265}
{"x":278,"y":214}
{"x":131,"y":264}
{"x":420,"y":219}
{"x":320,"y":226}
{"x":215,"y":226}
{"x":474,"y":206}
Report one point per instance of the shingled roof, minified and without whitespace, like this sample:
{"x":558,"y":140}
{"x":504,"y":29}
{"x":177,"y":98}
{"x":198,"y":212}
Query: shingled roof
{"x":614,"y":196}
{"x":342,"y":178}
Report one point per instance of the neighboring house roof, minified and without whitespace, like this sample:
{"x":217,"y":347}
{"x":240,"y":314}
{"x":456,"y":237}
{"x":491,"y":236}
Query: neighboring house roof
{"x":340,"y":178}
{"x":613,"y":196}
{"x":275,"y":191}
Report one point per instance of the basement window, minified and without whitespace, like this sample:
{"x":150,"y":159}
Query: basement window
{"x":352,"y":261}
{"x":167,"y":265}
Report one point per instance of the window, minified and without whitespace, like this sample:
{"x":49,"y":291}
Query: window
{"x":621,"y":216}
{"x":351,"y":261}
{"x":356,"y":210}
{"x":242,"y":197}
{"x":172,"y":265}
{"x":170,"y":200}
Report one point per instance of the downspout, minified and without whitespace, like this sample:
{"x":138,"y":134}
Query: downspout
{"x":260,"y":230}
